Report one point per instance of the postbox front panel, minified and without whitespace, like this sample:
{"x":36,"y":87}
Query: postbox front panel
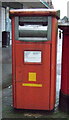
{"x":33,"y":76}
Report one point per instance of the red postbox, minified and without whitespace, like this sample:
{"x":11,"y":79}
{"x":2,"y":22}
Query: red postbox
{"x":34,"y":40}
{"x":64,"y":92}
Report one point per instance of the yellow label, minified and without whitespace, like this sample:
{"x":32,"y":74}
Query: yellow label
{"x":32,"y":76}
{"x":32,"y":85}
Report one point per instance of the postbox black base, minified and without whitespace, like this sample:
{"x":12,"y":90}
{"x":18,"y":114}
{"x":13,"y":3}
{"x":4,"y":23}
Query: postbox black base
{"x":64,"y":102}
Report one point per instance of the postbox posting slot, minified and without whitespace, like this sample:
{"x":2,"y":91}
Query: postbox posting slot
{"x":33,"y":28}
{"x":33,"y":20}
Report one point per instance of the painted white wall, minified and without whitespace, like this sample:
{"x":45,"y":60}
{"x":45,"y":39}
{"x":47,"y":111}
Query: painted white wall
{"x":68,"y":10}
{"x":62,"y":6}
{"x":3,"y":18}
{"x":2,"y":22}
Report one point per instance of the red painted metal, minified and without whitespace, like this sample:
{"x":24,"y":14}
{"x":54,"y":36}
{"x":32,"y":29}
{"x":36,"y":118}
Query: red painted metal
{"x":64,"y":91}
{"x":65,"y":61}
{"x":42,"y":98}
{"x":33,"y":97}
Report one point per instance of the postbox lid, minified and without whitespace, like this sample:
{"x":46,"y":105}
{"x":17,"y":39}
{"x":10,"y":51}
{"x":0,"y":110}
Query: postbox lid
{"x":35,"y":12}
{"x":64,"y":26}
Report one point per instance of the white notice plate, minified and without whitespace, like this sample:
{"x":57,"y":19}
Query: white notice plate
{"x":32,"y":56}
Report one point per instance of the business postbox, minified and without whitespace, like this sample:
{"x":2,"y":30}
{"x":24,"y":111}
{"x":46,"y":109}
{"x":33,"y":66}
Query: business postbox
{"x":64,"y":92}
{"x":34,"y":40}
